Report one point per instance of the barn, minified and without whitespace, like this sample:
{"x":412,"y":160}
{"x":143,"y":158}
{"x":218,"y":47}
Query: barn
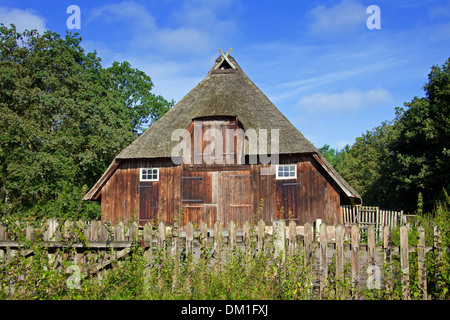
{"x":224,"y":152}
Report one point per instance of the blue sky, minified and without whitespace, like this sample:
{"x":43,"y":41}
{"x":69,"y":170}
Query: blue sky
{"x":317,"y":61}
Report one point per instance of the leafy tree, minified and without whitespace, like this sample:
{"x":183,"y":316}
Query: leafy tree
{"x":134,"y":86}
{"x":395,"y":163}
{"x":61,"y":122}
{"x":362,"y":164}
{"x":420,"y":153}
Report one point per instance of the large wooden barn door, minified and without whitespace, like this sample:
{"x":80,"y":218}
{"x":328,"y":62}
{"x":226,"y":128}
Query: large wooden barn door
{"x":196,"y":198}
{"x":237,"y":196}
{"x":148,"y":202}
{"x":287,"y":196}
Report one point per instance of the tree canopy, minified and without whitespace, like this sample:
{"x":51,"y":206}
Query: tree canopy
{"x":398,"y":162}
{"x":63,"y":118}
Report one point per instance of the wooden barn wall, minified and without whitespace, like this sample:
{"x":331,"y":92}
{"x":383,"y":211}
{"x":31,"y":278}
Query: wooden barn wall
{"x":229,"y":193}
{"x":120,"y":198}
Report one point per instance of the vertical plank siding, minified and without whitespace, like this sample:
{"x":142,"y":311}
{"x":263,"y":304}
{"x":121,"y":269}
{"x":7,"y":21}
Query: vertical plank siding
{"x":210,"y":194}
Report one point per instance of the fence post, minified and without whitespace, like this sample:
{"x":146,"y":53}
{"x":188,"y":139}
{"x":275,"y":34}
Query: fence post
{"x":371,"y":245}
{"x":231,"y":236}
{"x":339,"y":230}
{"x":323,"y":256}
{"x":404,"y":260}
{"x":246,"y":234}
{"x":279,"y":238}
{"x":133,"y":232}
{"x":189,"y":229}
{"x":162,"y":237}
{"x":292,"y":237}
{"x":308,"y":242}
{"x":218,"y":242}
{"x":148,"y":241}
{"x":119,"y":232}
{"x":261,"y":233}
{"x":176,"y":253}
{"x":2,"y":238}
{"x":355,"y":260}
{"x":422,"y":268}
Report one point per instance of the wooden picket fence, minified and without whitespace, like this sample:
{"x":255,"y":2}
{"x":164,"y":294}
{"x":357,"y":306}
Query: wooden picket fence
{"x":365,"y":216}
{"x":320,"y":244}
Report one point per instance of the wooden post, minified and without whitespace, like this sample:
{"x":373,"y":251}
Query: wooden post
{"x":323,"y":257}
{"x":104,"y":234}
{"x":29,"y":232}
{"x":218,"y":242}
{"x":133,"y":232}
{"x":292,"y":237}
{"x":261,"y":233}
{"x":162,"y":237}
{"x":231,"y":236}
{"x":2,"y":238}
{"x":339,"y":230}
{"x":355,"y":260}
{"x":189,"y":229}
{"x":68,"y":229}
{"x":387,"y":245}
{"x":94,"y":231}
{"x":279,"y":238}
{"x":119,"y":232}
{"x":308,"y":242}
{"x":203,"y":233}
{"x":246,"y":234}
{"x":52,"y":225}
{"x":422,"y":268}
{"x":176,"y":253}
{"x":404,"y":261}
{"x":203,"y":237}
{"x":371,"y":245}
{"x":148,"y":241}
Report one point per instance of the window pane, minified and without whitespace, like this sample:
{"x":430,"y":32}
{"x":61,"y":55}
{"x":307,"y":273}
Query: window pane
{"x":292,"y":168}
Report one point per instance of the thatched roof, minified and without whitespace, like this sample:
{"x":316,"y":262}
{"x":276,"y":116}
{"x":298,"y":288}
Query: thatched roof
{"x":226,"y":91}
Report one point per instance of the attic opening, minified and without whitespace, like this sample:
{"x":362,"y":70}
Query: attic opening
{"x":224,"y":65}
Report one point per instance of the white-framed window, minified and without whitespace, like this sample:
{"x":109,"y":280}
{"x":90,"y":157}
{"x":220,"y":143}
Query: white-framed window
{"x":149,"y":174}
{"x":288,"y":171}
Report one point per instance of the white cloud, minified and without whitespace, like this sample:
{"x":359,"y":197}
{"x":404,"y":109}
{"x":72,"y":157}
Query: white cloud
{"x":338,"y":20}
{"x":193,"y":27}
{"x":349,"y":100}
{"x":23,"y":19}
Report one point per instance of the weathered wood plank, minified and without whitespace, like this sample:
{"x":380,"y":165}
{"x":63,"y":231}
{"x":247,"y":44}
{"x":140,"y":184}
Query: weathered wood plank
{"x":339,"y":230}
{"x":355,"y":260}
{"x":422,"y":269}
{"x":323,"y":257}
{"x":404,"y":261}
{"x":308,"y":242}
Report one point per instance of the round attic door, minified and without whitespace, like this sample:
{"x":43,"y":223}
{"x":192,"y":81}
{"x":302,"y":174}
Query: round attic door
{"x":216,"y":141}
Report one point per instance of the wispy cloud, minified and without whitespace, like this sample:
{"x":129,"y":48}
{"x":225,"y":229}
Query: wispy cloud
{"x":339,"y":19}
{"x":194,"y":27}
{"x":22,"y":19}
{"x":349,"y":100}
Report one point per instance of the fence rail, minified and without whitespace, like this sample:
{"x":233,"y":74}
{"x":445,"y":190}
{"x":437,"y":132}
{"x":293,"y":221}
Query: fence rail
{"x":319,"y":244}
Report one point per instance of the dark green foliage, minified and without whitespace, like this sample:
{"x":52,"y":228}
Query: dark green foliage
{"x":63,"y":118}
{"x":393,"y":163}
